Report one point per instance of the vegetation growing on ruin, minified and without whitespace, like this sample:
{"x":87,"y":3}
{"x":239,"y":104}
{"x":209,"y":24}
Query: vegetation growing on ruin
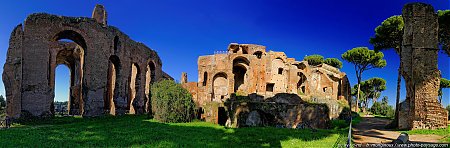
{"x":316,"y":59}
{"x":138,"y":131}
{"x":171,"y":102}
{"x":333,"y":62}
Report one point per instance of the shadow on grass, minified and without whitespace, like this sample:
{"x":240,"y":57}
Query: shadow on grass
{"x":126,"y":131}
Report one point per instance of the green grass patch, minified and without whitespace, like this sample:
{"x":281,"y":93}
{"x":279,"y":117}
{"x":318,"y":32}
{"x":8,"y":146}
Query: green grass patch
{"x":137,"y":131}
{"x":441,"y":132}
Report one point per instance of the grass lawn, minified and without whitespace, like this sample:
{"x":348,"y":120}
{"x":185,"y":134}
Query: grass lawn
{"x":441,"y":132}
{"x":137,"y":131}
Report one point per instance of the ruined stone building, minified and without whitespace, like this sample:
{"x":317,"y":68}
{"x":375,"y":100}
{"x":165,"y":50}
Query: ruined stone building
{"x":249,"y":70}
{"x":109,"y":72}
{"x":421,"y":109}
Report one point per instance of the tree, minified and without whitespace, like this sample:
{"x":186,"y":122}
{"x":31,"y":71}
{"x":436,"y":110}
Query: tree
{"x":444,"y":30}
{"x":333,"y":62}
{"x":372,"y":89}
{"x":171,"y":102}
{"x":314,"y":60}
{"x":2,"y":102}
{"x":389,"y":35}
{"x":444,"y":84}
{"x":363,"y":59}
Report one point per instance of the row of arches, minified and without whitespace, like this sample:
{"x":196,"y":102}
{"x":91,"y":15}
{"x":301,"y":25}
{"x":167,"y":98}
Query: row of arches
{"x":71,"y":55}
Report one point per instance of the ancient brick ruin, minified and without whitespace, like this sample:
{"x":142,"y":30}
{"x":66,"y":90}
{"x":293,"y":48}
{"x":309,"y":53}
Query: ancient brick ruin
{"x":109,"y":72}
{"x":421,"y":109}
{"x":264,"y":85}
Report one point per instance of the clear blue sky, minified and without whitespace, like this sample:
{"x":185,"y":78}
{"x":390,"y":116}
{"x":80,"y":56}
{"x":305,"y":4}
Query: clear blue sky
{"x":180,"y":31}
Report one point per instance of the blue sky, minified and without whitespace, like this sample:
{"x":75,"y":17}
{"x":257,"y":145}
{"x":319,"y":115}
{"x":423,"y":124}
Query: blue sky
{"x":180,"y":31}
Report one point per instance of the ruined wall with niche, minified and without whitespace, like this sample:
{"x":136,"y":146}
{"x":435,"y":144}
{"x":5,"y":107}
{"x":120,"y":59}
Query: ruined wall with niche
{"x":249,"y":70}
{"x":100,"y":58}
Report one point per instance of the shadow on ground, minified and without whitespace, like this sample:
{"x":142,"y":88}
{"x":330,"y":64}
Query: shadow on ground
{"x":126,"y":131}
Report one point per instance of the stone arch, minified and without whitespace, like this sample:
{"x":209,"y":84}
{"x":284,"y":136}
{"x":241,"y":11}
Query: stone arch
{"x":71,"y":35}
{"x":240,"y":68}
{"x":70,"y":52}
{"x":220,"y":86}
{"x":114,"y":75}
{"x":135,"y":80}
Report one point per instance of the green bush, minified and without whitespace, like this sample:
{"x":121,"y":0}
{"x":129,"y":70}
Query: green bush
{"x":339,"y":124}
{"x":314,"y":59}
{"x":171,"y":103}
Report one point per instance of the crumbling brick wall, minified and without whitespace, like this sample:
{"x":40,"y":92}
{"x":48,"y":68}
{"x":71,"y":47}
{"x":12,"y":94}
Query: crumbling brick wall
{"x":96,"y":54}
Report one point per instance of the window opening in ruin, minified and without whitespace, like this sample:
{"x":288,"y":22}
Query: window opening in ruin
{"x":62,"y":100}
{"x":258,"y":54}
{"x":301,"y":83}
{"x":134,"y":87}
{"x":325,"y":89}
{"x":280,"y":71}
{"x":269,"y":87}
{"x":222,"y":116}
{"x":205,"y":78}
{"x":222,"y":97}
{"x":116,"y":44}
{"x":244,"y":51}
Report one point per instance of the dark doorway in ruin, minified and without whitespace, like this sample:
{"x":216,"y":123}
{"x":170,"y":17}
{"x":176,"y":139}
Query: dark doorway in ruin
{"x":222,"y":116}
{"x":135,"y":80}
{"x":205,"y":78}
{"x":199,"y":113}
{"x":114,"y":68}
{"x":240,"y":66}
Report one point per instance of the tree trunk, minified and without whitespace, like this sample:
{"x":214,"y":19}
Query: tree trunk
{"x":357,"y":95}
{"x":397,"y":99}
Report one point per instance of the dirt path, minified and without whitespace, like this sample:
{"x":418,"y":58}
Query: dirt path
{"x":371,"y":130}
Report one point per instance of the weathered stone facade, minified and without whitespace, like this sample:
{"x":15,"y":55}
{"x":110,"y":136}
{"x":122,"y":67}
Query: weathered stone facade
{"x":248,"y":70}
{"x":421,"y":109}
{"x":109,"y":72}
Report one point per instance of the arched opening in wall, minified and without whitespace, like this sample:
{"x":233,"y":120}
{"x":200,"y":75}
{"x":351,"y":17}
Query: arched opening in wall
{"x":62,"y":100}
{"x":150,"y":79}
{"x":221,"y":116}
{"x":240,"y":67}
{"x":258,"y":54}
{"x":70,"y":52}
{"x":114,"y":68}
{"x":205,"y":78}
{"x":220,"y":86}
{"x":135,"y":80}
{"x":301,"y":85}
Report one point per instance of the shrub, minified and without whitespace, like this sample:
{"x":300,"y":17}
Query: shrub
{"x":339,"y":124}
{"x":333,"y":62}
{"x":171,"y":103}
{"x":314,"y":60}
